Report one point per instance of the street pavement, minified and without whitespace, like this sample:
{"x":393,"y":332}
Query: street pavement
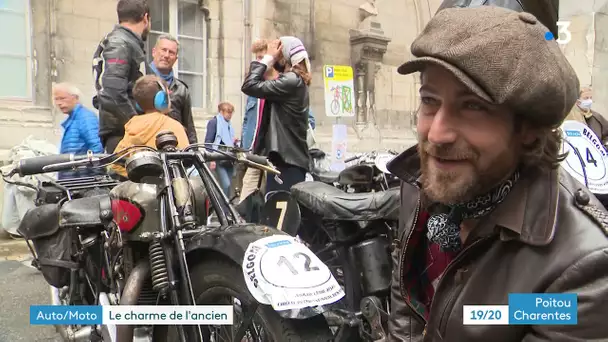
{"x":21,"y":286}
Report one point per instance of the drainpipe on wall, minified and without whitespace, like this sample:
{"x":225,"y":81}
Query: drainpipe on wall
{"x":206,"y":82}
{"x":246,"y":44}
{"x":312,"y":32}
{"x":248,"y":32}
{"x":220,"y":50}
{"x":52,"y":43}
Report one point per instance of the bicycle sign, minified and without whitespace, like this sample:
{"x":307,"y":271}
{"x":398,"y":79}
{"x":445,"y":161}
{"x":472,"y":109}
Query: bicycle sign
{"x":339,"y":90}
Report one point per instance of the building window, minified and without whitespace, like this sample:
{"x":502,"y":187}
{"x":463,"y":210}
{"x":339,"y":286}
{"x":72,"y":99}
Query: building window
{"x":15,"y":51}
{"x":184,"y":20}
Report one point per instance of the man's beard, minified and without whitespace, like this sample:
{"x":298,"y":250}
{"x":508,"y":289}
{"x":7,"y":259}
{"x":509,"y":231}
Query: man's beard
{"x":465,"y":182}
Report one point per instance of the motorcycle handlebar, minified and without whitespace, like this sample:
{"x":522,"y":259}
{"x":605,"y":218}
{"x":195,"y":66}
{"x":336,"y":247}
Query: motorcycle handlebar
{"x":257,"y":159}
{"x":352,"y":158}
{"x":36,"y":165}
{"x":253,"y":160}
{"x":61,"y":162}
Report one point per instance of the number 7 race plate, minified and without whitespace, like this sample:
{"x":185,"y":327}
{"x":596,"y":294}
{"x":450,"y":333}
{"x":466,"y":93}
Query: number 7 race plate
{"x":587,"y":158}
{"x":282,"y":272}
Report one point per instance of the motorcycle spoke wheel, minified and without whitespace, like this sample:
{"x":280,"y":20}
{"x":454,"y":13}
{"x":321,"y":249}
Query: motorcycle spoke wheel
{"x":218,"y":281}
{"x":255,"y":332}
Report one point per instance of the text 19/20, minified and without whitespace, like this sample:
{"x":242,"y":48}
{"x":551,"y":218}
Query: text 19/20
{"x":477,"y":315}
{"x":485,"y":315}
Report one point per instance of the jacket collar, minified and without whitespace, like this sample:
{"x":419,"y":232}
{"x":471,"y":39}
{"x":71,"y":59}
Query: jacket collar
{"x":71,"y":116}
{"x":130,"y":32}
{"x":528,"y":214}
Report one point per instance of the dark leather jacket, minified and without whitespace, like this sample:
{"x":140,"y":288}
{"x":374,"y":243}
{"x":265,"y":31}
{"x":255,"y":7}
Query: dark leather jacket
{"x":284,"y":123}
{"x":599,"y":126}
{"x":181,"y":108}
{"x":117,"y":63}
{"x":548,"y":236}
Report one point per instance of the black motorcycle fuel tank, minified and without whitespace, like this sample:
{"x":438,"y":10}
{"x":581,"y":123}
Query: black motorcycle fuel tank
{"x":357,"y":175}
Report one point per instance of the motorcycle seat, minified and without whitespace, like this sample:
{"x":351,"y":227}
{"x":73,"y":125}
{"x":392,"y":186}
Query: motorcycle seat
{"x":86,"y":212}
{"x":331,"y":203}
{"x":328,"y":177}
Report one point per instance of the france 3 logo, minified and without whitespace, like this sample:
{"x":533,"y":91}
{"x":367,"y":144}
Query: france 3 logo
{"x":564,"y":34}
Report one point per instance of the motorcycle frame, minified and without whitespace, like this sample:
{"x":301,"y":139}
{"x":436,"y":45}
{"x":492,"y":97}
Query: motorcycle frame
{"x":171,"y":227}
{"x":347,"y":235}
{"x":184,"y":241}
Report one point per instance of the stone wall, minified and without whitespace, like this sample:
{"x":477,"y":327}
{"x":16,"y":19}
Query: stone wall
{"x":66,"y":33}
{"x":225,"y":58}
{"x":588,"y":49}
{"x":325,"y":32}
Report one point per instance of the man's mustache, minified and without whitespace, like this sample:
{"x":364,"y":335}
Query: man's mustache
{"x":448,"y":152}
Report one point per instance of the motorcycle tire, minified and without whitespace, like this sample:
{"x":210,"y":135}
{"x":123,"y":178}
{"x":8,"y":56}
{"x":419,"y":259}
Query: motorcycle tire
{"x":216,"y":275}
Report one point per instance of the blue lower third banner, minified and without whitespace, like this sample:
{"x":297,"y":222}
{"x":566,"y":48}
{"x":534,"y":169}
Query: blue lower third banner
{"x":131,"y":315}
{"x":65,"y":315}
{"x":543,"y":308}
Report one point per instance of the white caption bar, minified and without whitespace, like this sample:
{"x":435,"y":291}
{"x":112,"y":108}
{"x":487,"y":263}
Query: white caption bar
{"x":485,"y":315}
{"x":168,"y":315}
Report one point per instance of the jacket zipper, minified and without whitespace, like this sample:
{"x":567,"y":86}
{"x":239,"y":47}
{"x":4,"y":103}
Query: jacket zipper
{"x":458,"y":258}
{"x":403,"y":247}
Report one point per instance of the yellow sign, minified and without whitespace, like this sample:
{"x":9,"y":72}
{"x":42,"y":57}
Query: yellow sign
{"x":338,"y":73}
{"x":339,"y":90}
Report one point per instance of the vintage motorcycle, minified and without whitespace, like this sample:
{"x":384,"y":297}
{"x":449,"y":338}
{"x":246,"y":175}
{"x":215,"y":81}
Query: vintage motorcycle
{"x":364,"y":172}
{"x":353,"y":233}
{"x":147,"y":243}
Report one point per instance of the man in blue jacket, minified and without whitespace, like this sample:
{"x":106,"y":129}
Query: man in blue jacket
{"x":80,"y":129}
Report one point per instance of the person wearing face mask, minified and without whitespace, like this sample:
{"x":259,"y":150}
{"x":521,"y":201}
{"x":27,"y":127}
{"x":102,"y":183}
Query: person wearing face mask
{"x":582,"y":112}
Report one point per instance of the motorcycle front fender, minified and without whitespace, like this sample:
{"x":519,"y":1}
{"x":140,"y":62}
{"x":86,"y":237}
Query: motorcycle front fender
{"x":232,"y":242}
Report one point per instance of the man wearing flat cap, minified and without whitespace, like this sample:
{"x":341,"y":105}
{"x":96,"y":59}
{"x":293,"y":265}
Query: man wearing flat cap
{"x":486,"y":211}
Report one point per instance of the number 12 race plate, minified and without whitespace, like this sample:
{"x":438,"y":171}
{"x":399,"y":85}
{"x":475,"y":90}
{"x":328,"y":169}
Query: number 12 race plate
{"x":282,"y":272}
{"x":590,"y":161}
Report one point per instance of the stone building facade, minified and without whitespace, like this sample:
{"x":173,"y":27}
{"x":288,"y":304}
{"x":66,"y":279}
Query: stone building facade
{"x":54,"y":40}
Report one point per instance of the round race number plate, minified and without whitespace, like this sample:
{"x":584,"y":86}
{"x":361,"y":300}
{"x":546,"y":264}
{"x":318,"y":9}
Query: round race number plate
{"x":587,"y":159}
{"x":281,"y":271}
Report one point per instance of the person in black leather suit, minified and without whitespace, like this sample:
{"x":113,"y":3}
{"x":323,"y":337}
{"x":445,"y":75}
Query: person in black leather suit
{"x":284,"y":122}
{"x":117,"y":63}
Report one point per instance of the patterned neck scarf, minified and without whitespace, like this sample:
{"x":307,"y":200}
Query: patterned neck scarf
{"x":444,"y":228}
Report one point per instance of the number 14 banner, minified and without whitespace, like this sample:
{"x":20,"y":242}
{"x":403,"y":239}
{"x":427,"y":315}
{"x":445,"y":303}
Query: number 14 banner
{"x":587,"y":159}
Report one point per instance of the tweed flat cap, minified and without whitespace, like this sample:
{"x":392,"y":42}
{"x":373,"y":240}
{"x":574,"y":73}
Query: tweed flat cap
{"x":503,"y":57}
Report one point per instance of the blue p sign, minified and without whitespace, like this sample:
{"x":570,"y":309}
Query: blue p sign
{"x":329,"y":72}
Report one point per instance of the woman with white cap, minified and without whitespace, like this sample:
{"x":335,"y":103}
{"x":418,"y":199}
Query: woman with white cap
{"x":284,"y":119}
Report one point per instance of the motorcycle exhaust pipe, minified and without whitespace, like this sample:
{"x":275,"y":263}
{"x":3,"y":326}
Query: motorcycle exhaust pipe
{"x":130,"y":296}
{"x":62,"y":330}
{"x":81,"y":335}
{"x":108,"y":331}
